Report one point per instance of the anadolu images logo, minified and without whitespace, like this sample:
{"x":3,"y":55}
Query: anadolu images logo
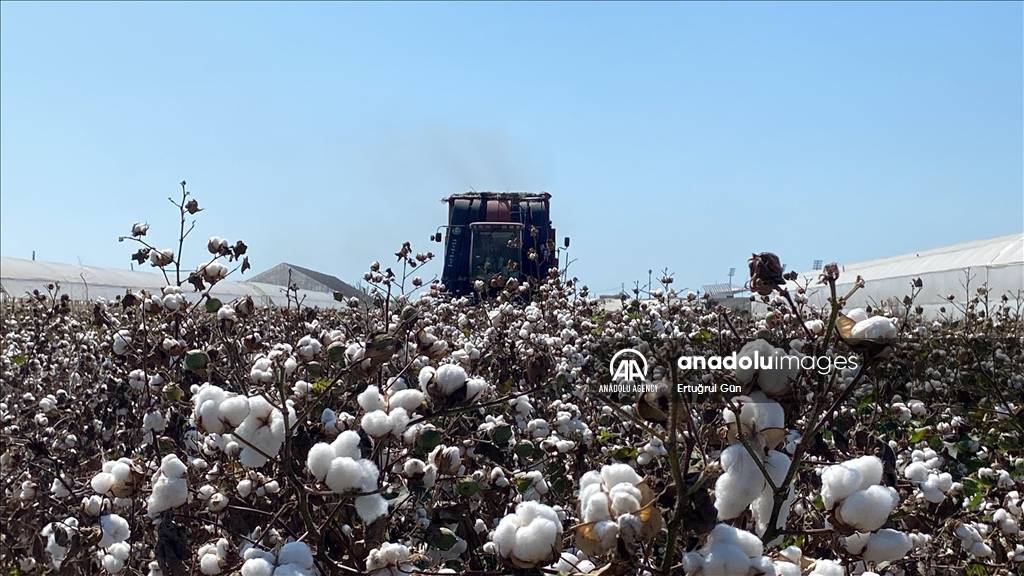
{"x":626,"y":365}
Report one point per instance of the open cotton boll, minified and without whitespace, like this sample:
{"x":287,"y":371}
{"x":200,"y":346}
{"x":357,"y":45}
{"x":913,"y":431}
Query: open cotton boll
{"x":530,"y":536}
{"x":371,"y":507}
{"x":409,"y":400}
{"x":870,"y":468}
{"x":376,"y":424}
{"x":857,"y":315}
{"x":867,"y":510}
{"x":319,"y":459}
{"x":739,"y":485}
{"x":449,"y":378}
{"x":777,"y":464}
{"x":347,"y":444}
{"x":916,"y":472}
{"x":371,"y":399}
{"x":874,"y":328}
{"x":171,"y":488}
{"x":619,"y":473}
{"x":837,"y":483}
{"x":887,"y":546}
{"x":828,"y":568}
{"x":257,"y":567}
{"x":764,"y":350}
{"x":389,"y":560}
{"x":346,"y":474}
{"x":296,"y":553}
{"x":726,"y":560}
{"x":114,"y":529}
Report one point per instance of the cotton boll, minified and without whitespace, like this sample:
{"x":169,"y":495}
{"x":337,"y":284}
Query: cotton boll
{"x":741,"y":483}
{"x":114,"y":529}
{"x":874,"y":328}
{"x":867,"y":510}
{"x":887,"y":546}
{"x":777,"y":464}
{"x":828,"y":568}
{"x":344,"y":475}
{"x":619,"y":473}
{"x":409,"y":400}
{"x":449,"y":378}
{"x":398,"y":419}
{"x":750,"y":544}
{"x":296,"y":553}
{"x":371,"y":399}
{"x":725,"y":560}
{"x":857,"y":315}
{"x":347,"y":444}
{"x":837,"y":483}
{"x":376,"y":424}
{"x":371,"y":507}
{"x":762,"y":347}
{"x":234,"y":410}
{"x":257,"y":567}
{"x":870,"y":468}
{"x":916,"y":472}
{"x":319,"y":460}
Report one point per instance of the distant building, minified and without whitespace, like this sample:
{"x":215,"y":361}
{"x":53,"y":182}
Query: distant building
{"x":307,"y":279}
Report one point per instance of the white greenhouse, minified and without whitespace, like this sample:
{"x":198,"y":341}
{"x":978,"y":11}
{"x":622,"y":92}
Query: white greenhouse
{"x":995,"y":262}
{"x":83,"y":283}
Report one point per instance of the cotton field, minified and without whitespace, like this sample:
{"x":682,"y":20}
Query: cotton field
{"x":166,"y":436}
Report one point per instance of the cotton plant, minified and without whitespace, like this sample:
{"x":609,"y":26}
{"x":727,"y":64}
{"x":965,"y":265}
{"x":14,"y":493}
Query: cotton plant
{"x":450,"y":384}
{"x":213,"y":557}
{"x":58,"y":537}
{"x":390,"y":559}
{"x":114,"y":548}
{"x":388,"y":414}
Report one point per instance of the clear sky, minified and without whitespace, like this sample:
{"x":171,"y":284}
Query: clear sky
{"x":679,"y":136}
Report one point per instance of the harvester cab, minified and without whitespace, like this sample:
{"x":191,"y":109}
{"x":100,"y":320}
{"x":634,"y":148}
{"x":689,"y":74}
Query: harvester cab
{"x":494,"y":237}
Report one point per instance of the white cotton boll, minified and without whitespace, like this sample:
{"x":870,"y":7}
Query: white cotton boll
{"x":786,"y":569}
{"x":765,"y":413}
{"x":740,"y":485}
{"x":828,"y":568}
{"x":725,"y":534}
{"x":595,"y":507}
{"x":319,"y":459}
{"x":114,"y":529}
{"x":837,"y":483}
{"x":371,"y":399}
{"x":172,"y":466}
{"x":725,"y":560}
{"x":857,"y":315}
{"x":371,"y":507}
{"x":112,"y":565}
{"x":345,"y":474}
{"x":777,"y":464}
{"x":58,"y":489}
{"x":398,"y":419}
{"x":916,"y":472}
{"x":120,"y":550}
{"x":887,"y":546}
{"x":234,"y":410}
{"x":296,"y":553}
{"x":449,"y":378}
{"x":376,"y":424}
{"x":815,"y":326}
{"x":409,"y":400}
{"x":102,"y":482}
{"x":347,"y":444}
{"x":167,"y":493}
{"x":619,"y":473}
{"x":874,"y":328}
{"x":625,"y":499}
{"x":870,"y":468}
{"x":867,"y":510}
{"x":257,"y":567}
{"x":855,"y":542}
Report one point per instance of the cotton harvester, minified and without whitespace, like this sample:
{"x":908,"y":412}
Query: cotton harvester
{"x":494,"y":237}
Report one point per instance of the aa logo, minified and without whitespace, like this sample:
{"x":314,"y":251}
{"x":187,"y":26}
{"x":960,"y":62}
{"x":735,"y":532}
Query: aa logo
{"x":628,"y":365}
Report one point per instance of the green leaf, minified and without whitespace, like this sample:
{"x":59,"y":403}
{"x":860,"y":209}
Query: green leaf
{"x":505,"y":386}
{"x":918,"y":435}
{"x":819,"y":504}
{"x":213,"y":305}
{"x":313,"y":369}
{"x":501,"y":435}
{"x":523,"y":484}
{"x":444,"y":539}
{"x":19,"y":360}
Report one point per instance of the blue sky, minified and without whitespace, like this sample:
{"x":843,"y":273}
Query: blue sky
{"x":679,"y":136}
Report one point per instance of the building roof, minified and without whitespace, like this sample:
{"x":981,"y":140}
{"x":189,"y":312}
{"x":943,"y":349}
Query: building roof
{"x":333,"y":282}
{"x":998,"y":262}
{"x":18,"y":277}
